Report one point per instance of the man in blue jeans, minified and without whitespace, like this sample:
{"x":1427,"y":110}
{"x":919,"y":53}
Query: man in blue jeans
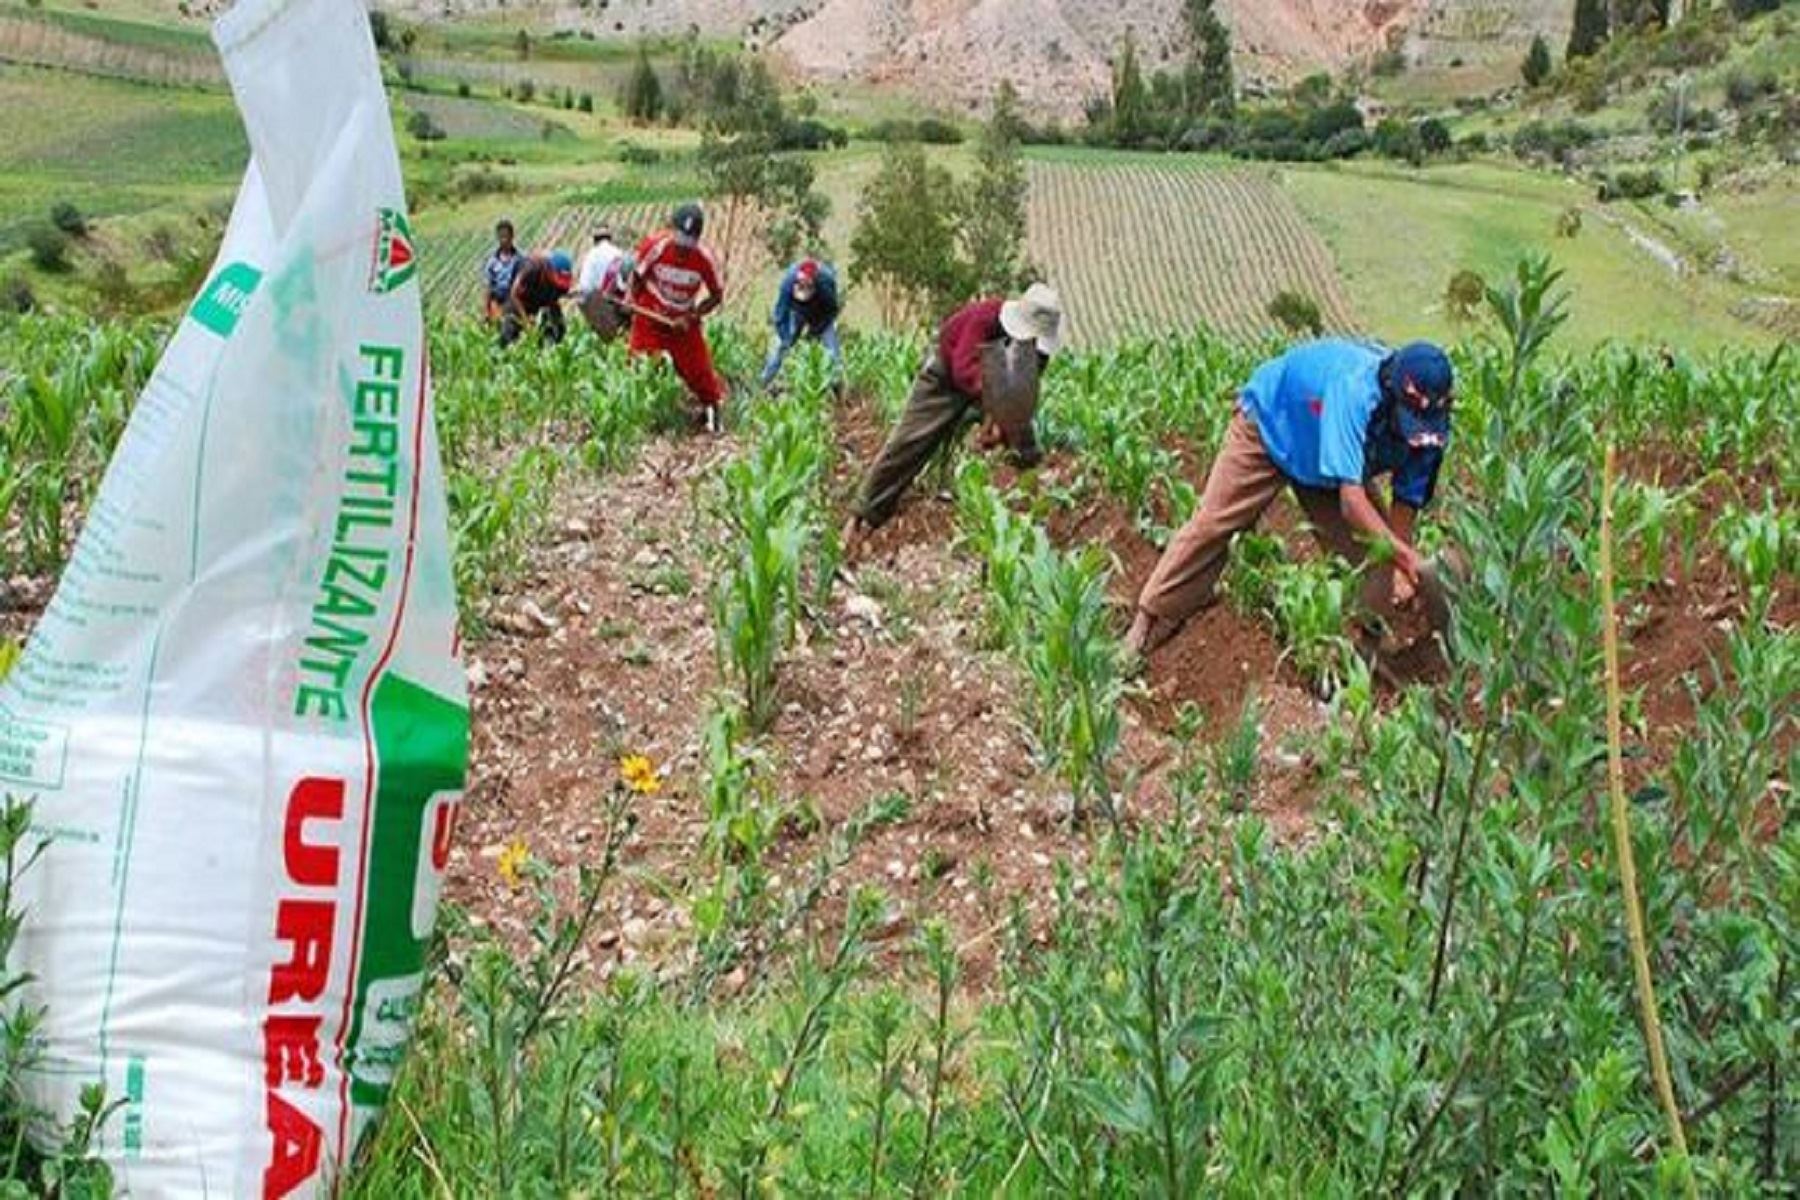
{"x":1325,"y":419}
{"x":806,"y":305}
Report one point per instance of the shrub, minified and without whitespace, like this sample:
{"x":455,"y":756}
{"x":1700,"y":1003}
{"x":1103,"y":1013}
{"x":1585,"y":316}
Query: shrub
{"x":1465,"y":294}
{"x":1743,"y":89}
{"x":639,"y":156}
{"x":586,"y":103}
{"x":1536,"y":67}
{"x":66,"y":217}
{"x":1347,"y":143}
{"x":1631,"y":185}
{"x":1568,"y":222}
{"x":16,"y":295}
{"x":935,"y":131}
{"x":1213,"y":134}
{"x":1434,"y":136}
{"x":480,"y":181}
{"x":113,"y":289}
{"x":423,"y":127}
{"x":1395,"y":138}
{"x":524,"y":91}
{"x":1297,"y":313}
{"x":49,"y":248}
{"x":463,"y":89}
{"x":1555,"y":141}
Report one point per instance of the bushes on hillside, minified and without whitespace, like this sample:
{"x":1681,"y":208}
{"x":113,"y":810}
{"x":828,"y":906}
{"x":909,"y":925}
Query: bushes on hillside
{"x":66,"y":217}
{"x":422,"y":126}
{"x":1631,"y":185}
{"x":931,"y":131}
{"x":49,"y":247}
{"x":1552,"y":141}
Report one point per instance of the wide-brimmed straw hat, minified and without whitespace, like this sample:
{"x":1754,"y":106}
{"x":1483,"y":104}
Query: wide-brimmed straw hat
{"x":1036,"y":316}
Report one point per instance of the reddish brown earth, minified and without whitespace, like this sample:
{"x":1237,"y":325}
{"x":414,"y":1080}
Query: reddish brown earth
{"x":605,"y":647}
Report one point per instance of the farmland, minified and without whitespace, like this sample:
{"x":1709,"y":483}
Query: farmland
{"x":781,"y":871}
{"x":875,"y":781}
{"x":1144,"y":247}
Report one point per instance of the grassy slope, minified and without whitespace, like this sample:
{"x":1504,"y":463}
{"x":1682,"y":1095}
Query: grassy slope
{"x":120,"y":149}
{"x":110,"y":147}
{"x":1399,"y":235}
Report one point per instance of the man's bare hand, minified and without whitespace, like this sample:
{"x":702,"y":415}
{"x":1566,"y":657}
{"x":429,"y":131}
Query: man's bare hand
{"x":1403,"y":591}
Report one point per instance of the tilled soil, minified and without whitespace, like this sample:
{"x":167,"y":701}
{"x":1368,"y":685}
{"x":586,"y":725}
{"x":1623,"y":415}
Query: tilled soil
{"x":606,"y":647}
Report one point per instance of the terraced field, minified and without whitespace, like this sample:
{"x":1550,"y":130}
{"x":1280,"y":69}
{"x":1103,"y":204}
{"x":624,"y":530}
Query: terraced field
{"x":1145,"y":246}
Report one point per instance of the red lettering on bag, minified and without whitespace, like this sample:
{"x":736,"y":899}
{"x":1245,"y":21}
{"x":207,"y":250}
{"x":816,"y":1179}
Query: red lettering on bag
{"x":313,"y":866}
{"x":294,"y":1153}
{"x":292,"y":1040}
{"x":291,"y":1051}
{"x":306,"y":925}
{"x":442,"y":830}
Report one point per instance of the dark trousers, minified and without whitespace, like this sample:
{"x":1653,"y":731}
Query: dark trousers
{"x":515,"y":319}
{"x":935,"y":413}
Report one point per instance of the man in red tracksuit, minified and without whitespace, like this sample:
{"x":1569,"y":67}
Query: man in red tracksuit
{"x":674,"y":286}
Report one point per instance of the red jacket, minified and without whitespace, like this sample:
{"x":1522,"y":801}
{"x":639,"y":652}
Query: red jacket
{"x":669,"y":277}
{"x":960,"y":340}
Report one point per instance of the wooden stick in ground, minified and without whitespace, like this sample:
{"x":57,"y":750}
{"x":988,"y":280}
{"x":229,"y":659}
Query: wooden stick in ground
{"x":1621,"y":822}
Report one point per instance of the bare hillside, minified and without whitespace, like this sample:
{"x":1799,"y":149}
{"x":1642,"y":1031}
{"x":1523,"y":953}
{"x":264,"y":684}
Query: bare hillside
{"x":952,"y":52}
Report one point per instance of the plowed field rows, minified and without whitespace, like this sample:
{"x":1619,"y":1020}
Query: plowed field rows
{"x":1144,"y":247}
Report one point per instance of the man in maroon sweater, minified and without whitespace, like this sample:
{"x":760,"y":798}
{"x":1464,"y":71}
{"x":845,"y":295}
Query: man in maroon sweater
{"x":947,"y":394}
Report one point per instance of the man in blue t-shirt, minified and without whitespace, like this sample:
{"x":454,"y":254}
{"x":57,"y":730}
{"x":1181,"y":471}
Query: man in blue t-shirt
{"x":1325,"y":419}
{"x":806,"y":305}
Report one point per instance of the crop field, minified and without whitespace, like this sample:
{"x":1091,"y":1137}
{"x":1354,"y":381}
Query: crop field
{"x":101,"y":144}
{"x":778,"y":873}
{"x":127,"y":50}
{"x":1150,"y":246}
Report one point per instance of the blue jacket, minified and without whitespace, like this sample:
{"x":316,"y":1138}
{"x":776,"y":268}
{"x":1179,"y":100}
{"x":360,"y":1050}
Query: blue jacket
{"x":1319,"y":410}
{"x":813,"y":317}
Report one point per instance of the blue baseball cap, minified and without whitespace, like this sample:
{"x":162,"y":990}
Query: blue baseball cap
{"x":561,"y":263}
{"x":1421,"y":383}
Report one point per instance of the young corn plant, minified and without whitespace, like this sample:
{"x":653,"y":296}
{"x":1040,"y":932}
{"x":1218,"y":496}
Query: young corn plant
{"x":1310,"y":602}
{"x":1075,"y":667}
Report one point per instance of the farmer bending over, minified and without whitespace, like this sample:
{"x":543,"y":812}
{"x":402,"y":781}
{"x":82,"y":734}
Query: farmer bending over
{"x":498,"y":272}
{"x":949,"y":389}
{"x":1324,"y":419}
{"x":806,"y":305}
{"x":674,"y":285}
{"x":597,"y":294}
{"x":537,"y":292}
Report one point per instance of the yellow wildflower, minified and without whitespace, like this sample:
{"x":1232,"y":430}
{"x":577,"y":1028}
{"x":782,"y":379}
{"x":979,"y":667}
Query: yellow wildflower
{"x":512,"y":861}
{"x":640,"y":774}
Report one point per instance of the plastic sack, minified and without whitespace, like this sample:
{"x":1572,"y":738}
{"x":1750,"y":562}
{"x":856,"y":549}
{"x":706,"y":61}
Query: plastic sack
{"x":242,"y":717}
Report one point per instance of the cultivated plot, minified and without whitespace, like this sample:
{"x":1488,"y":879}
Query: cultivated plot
{"x":1139,"y":247}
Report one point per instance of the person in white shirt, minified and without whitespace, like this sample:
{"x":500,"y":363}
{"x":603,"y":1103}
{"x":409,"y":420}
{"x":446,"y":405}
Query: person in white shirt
{"x":596,"y":296}
{"x":600,"y":256}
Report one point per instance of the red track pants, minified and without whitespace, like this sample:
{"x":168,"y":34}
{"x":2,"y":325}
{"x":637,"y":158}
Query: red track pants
{"x":687,"y":349}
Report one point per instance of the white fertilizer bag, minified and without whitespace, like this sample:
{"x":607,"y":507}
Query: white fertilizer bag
{"x":242,"y":718}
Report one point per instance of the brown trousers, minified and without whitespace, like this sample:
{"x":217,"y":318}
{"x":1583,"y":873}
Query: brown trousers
{"x":935,"y":412}
{"x":1243,"y":482}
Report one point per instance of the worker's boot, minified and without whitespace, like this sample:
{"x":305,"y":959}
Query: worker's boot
{"x":1146,"y":634}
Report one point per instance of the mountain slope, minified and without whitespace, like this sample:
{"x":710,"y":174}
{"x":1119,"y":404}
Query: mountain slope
{"x":952,"y":52}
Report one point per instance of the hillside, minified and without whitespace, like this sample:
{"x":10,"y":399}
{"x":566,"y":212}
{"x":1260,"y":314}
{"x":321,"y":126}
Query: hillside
{"x":1056,"y":51}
